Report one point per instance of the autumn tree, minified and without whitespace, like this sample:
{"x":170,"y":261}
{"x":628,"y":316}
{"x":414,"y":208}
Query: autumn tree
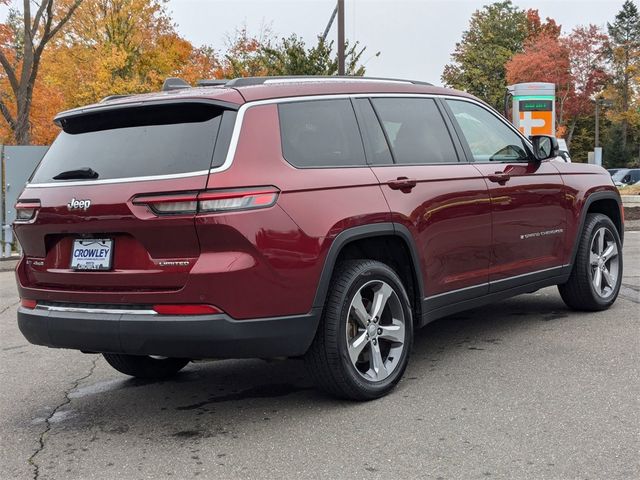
{"x":113,"y":47}
{"x":576,"y":64}
{"x":587,"y":48}
{"x":131,"y":46}
{"x":544,"y":59}
{"x":536,"y":27}
{"x":23,"y":40}
{"x":244,"y":54}
{"x":122,"y":46}
{"x":625,"y":61}
{"x":496,"y":33}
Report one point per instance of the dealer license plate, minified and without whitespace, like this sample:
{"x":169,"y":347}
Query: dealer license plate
{"x":92,"y":254}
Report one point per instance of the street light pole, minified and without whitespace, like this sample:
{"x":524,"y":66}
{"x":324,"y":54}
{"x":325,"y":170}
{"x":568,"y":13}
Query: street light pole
{"x":597,"y":122}
{"x":600,"y":102}
{"x":341,"y":69}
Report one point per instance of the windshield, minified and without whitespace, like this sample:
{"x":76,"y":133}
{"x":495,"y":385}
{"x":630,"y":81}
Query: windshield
{"x":133,"y":142}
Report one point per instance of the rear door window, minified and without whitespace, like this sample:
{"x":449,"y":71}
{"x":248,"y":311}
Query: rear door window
{"x":135,"y":142}
{"x":416,"y":130}
{"x":320,"y":133}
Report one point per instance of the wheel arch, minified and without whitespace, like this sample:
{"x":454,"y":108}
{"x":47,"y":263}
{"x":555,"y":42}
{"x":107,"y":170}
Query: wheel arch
{"x":367,"y":241}
{"x":606,"y":203}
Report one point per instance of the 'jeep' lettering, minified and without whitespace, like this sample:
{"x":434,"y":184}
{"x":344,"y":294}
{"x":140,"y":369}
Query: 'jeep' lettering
{"x":78,"y":204}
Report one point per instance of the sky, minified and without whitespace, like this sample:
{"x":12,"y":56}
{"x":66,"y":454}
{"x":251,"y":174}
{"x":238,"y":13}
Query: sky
{"x":415,"y":38}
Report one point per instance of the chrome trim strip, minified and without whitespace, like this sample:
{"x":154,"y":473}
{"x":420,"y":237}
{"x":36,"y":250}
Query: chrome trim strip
{"x":118,"y":180}
{"x":237,"y":128}
{"x":273,"y":81}
{"x":527,"y":274}
{"x":480,"y":285}
{"x":235,"y":136}
{"x":486,"y":284}
{"x":121,"y":311}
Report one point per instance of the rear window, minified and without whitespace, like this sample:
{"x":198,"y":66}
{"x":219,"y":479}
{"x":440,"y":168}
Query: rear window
{"x":135,"y":142}
{"x":320,"y":133}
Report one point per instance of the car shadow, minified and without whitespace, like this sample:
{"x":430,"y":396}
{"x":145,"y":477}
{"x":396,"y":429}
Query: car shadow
{"x":217,"y":398}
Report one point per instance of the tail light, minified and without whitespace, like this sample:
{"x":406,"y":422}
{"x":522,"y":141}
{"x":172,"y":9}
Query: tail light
{"x":26,"y":210}
{"x":242,"y":199}
{"x":26,"y":303}
{"x":172,"y":204}
{"x":182,"y":309}
{"x":210,"y":201}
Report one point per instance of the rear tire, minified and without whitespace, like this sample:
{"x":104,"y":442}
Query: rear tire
{"x":596,"y":276}
{"x":362,"y":345}
{"x":141,"y":366}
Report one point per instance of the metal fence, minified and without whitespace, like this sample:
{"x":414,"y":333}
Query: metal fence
{"x":18,"y":162}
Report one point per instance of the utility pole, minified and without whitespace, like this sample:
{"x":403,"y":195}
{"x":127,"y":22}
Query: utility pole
{"x":600,"y":101}
{"x":341,"y":70}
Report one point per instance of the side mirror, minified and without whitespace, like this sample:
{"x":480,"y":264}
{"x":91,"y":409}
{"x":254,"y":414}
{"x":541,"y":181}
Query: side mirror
{"x":544,"y":147}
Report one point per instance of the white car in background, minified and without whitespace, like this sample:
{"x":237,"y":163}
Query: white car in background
{"x":563,"y":151}
{"x":626,"y":176}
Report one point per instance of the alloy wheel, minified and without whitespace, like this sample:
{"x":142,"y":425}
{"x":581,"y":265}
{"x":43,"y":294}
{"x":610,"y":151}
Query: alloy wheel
{"x":604,"y":262}
{"x":375,"y":330}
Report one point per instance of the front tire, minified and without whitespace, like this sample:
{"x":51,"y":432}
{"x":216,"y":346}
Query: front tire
{"x":142,"y":366}
{"x":362,"y":345}
{"x":596,"y":276}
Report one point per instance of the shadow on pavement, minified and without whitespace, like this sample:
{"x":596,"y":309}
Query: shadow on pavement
{"x":243,"y":390}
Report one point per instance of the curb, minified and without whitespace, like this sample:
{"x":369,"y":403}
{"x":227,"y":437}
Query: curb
{"x":630,"y":200}
{"x":8,"y":264}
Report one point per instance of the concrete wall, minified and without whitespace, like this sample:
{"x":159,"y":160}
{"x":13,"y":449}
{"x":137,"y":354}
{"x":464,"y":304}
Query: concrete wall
{"x":18,"y":162}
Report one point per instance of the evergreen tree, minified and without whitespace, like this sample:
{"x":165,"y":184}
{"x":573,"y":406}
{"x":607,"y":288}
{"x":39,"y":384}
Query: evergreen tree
{"x":625,"y":59}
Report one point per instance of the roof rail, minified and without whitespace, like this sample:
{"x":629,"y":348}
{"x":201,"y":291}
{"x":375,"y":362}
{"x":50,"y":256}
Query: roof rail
{"x":113,"y":97}
{"x":174,"y":83}
{"x":212,"y":83}
{"x":249,"y":81}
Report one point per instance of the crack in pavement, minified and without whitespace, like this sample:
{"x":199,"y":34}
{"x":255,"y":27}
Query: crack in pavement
{"x":630,"y":294}
{"x":44,"y":433}
{"x":9,"y":306}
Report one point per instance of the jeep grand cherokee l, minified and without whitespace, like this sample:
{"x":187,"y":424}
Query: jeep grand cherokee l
{"x":290,"y":217}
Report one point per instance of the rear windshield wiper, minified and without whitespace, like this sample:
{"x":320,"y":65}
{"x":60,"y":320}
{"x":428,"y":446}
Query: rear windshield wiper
{"x":80,"y":173}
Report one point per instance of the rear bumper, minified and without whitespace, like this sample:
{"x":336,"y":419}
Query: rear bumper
{"x":202,"y":336}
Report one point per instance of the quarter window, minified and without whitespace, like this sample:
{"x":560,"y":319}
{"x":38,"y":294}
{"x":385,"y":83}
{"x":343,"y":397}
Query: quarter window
{"x":416,"y":130}
{"x":320,"y":133}
{"x":489,"y":139}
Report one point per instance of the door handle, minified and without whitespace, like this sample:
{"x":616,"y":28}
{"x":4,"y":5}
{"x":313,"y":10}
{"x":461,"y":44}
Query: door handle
{"x":499,"y":177}
{"x":403,"y":184}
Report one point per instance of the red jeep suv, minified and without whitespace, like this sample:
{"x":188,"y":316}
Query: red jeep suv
{"x":324,"y":218}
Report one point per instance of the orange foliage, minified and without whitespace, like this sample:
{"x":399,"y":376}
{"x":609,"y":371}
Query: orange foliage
{"x":108,"y":47}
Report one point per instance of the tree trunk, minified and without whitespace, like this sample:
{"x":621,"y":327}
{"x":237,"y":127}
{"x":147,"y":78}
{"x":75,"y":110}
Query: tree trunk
{"x":572,"y":128}
{"x":22,"y":85}
{"x":22,"y":133}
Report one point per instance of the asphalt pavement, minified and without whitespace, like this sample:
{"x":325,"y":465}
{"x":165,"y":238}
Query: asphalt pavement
{"x":523,"y":389}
